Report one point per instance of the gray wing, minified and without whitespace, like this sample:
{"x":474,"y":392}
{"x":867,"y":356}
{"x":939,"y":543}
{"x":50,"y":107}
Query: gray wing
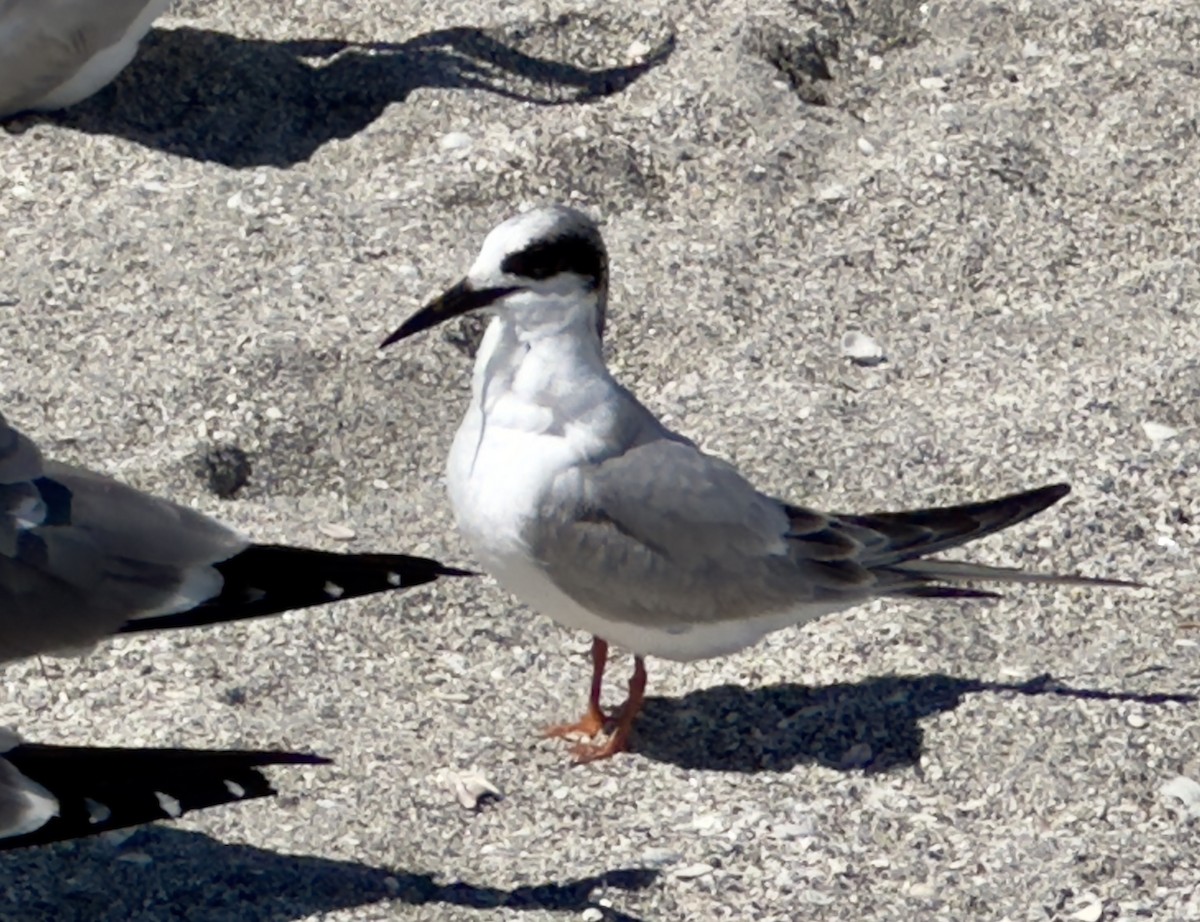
{"x":664,"y":534}
{"x":43,"y":43}
{"x":81,"y":555}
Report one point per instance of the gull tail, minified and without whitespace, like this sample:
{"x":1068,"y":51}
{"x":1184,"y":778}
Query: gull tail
{"x":898,"y":543}
{"x":266,"y":579}
{"x":52,"y":793}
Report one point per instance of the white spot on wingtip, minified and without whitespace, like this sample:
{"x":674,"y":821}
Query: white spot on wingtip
{"x":235,"y":789}
{"x":97,"y":812}
{"x":333,"y":590}
{"x":393,"y":578}
{"x":170,"y":806}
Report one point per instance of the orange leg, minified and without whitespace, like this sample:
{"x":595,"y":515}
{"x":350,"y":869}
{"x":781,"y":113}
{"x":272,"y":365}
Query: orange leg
{"x":593,"y":721}
{"x":626,"y":714}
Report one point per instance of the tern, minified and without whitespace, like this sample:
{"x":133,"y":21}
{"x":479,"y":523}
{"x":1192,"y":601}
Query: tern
{"x":586,"y":507}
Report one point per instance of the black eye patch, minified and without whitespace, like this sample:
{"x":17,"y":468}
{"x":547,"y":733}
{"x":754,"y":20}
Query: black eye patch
{"x":576,"y":253}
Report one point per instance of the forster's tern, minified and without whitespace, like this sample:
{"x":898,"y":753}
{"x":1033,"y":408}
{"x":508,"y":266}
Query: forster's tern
{"x":580,"y":502}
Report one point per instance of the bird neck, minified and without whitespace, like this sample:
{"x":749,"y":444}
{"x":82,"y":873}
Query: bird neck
{"x":531,"y":363}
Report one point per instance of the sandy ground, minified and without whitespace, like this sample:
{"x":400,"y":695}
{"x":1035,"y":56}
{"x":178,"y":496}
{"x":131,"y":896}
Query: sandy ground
{"x":1002,"y":196}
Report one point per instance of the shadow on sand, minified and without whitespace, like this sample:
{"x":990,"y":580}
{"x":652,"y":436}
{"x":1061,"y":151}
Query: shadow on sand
{"x":871,"y":725}
{"x":215,"y":97}
{"x":194,"y":877}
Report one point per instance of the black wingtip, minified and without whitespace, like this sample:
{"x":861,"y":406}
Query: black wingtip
{"x":1034,"y":500}
{"x":1054,"y":492}
{"x":945,"y":592}
{"x":97,"y":790}
{"x":269,"y":579}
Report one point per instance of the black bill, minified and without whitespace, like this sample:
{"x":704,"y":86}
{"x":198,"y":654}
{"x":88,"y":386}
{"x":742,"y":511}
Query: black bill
{"x":460,"y":299}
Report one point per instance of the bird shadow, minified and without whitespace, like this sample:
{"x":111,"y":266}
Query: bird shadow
{"x":192,"y":876}
{"x":872,"y":725}
{"x":211,"y":96}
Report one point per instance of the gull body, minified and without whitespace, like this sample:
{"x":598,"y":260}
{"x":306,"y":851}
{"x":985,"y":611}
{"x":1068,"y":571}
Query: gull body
{"x":55,"y":53}
{"x":580,"y":502}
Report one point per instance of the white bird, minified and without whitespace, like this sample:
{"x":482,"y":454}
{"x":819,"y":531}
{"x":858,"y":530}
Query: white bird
{"x":83,"y":557}
{"x":582,"y":504}
{"x":52,"y":793}
{"x":55,"y":53}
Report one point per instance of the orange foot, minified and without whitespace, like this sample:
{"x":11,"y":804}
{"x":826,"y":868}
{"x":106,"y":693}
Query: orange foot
{"x":589,"y":725}
{"x":625,"y":716}
{"x":618,"y":741}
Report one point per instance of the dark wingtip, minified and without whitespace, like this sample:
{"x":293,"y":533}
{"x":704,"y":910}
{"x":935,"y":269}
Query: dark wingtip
{"x":455,"y":571}
{"x":945,"y":592}
{"x":1041,"y":497}
{"x":293,"y":758}
{"x":136,"y":786}
{"x":269,"y":579}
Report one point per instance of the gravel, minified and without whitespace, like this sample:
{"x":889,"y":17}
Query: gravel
{"x":209,"y":252}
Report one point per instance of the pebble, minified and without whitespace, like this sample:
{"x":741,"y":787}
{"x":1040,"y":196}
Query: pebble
{"x":657,"y":857}
{"x":592,"y":914}
{"x":932,"y":83}
{"x":1137,"y":721}
{"x":637,"y":50}
{"x":1185,"y":790}
{"x":1090,"y":913}
{"x":455,"y":140}
{"x":857,"y":756}
{"x":922,"y":891}
{"x":579,"y":644}
{"x":469,"y":787}
{"x":337,"y":532}
{"x":1158,"y":433}
{"x":861,"y":349}
{"x":791,"y":831}
{"x":693,"y":871}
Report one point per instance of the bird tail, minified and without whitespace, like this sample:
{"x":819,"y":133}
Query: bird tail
{"x":962,"y":570}
{"x":53,"y":793}
{"x":266,"y":579}
{"x":899,"y":543}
